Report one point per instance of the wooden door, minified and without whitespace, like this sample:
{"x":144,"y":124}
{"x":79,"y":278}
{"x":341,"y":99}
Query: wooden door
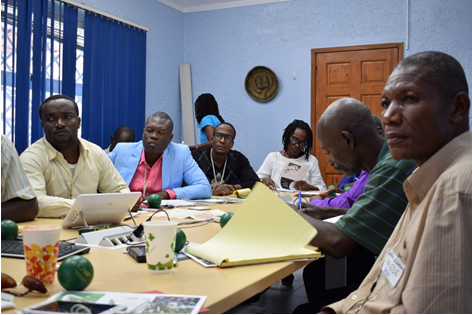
{"x":359,"y":72}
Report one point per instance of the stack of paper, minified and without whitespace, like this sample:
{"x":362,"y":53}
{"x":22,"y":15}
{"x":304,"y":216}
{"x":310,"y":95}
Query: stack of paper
{"x":264,"y":229}
{"x":194,"y":214}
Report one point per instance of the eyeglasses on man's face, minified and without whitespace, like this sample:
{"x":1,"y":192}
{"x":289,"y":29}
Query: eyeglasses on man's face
{"x":219,"y":135}
{"x":295,"y":141}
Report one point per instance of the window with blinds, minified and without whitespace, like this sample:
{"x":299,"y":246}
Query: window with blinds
{"x":64,"y":47}
{"x":42,"y":48}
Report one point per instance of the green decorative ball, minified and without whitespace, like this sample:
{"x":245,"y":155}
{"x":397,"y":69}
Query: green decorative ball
{"x":154,"y":201}
{"x":225,"y":218}
{"x":9,"y":230}
{"x":75,"y":273}
{"x":180,"y":240}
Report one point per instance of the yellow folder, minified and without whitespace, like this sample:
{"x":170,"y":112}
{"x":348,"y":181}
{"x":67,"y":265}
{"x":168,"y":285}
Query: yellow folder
{"x":264,"y":229}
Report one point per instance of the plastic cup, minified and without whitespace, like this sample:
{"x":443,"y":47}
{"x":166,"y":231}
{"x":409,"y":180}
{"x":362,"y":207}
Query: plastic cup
{"x":160,"y":243}
{"x":41,"y":245}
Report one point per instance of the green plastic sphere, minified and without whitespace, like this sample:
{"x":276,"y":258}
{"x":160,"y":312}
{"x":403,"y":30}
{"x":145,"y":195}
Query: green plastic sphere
{"x":180,"y":240}
{"x":225,"y":218}
{"x":154,"y":201}
{"x":75,"y":273}
{"x":9,"y":230}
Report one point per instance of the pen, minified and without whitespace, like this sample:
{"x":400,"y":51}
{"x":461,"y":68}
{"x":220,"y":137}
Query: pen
{"x":299,"y":200}
{"x":195,"y":221}
{"x":176,"y":258}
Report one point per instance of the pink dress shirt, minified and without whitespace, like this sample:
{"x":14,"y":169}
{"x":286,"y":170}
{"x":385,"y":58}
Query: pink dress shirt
{"x":147,"y":179}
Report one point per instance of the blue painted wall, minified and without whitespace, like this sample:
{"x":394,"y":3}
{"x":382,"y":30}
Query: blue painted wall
{"x":223,"y":45}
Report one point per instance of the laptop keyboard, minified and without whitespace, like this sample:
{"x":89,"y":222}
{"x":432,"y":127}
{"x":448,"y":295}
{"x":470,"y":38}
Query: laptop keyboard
{"x":14,"y":248}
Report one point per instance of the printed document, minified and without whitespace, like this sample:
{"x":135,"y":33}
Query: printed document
{"x":292,"y":172}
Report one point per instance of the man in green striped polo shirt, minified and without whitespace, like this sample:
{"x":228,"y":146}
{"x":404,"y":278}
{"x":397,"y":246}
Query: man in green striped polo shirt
{"x":347,"y":133}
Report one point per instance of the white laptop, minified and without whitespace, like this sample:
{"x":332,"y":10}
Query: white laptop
{"x":100,"y":208}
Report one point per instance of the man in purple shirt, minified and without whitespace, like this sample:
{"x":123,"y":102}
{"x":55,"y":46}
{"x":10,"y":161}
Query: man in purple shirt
{"x":346,"y":199}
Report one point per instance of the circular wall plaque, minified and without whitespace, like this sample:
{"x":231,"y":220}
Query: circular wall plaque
{"x":261,"y":84}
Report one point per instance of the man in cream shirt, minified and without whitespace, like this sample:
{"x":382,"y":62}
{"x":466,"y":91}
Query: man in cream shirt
{"x":425,"y":265}
{"x":60,"y":166}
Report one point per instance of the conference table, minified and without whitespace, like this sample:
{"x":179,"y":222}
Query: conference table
{"x":118,"y":272}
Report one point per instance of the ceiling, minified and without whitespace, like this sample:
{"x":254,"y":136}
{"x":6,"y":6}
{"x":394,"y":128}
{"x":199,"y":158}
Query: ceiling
{"x":187,"y":6}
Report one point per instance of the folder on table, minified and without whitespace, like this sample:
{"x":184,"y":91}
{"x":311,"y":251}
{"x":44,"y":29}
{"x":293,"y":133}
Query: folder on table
{"x":264,"y":229}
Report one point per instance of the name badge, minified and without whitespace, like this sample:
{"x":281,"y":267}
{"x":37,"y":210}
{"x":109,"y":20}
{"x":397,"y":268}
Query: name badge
{"x":392,"y":267}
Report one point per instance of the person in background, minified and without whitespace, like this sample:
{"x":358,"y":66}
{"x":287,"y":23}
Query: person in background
{"x":225,"y":169}
{"x":348,"y":181}
{"x":122,"y":134}
{"x":208,"y":117}
{"x":347,"y":134}
{"x":19,"y":201}
{"x":343,"y":199}
{"x":156,"y":165}
{"x":425,"y":265}
{"x":60,"y":166}
{"x":297,"y":140}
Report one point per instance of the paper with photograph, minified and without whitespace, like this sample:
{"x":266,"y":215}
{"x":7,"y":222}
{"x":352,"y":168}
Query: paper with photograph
{"x":130,"y":303}
{"x":292,"y":172}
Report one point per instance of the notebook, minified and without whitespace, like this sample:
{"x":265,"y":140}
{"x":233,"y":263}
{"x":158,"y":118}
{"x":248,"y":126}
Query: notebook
{"x":100,"y":208}
{"x":14,"y":248}
{"x":264,"y":229}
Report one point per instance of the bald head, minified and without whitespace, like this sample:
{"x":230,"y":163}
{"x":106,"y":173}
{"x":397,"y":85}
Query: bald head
{"x":347,"y":114}
{"x":163,"y":116}
{"x":347,"y":132}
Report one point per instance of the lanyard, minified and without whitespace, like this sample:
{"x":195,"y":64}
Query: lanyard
{"x":145,"y":182}
{"x":213,"y":165}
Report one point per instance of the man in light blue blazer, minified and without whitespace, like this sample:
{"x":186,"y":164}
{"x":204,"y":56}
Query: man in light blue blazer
{"x":156,"y":165}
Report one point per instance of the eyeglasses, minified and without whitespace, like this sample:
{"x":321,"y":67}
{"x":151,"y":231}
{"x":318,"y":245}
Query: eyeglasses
{"x":219,"y":135}
{"x":29,"y":282}
{"x":295,"y":141}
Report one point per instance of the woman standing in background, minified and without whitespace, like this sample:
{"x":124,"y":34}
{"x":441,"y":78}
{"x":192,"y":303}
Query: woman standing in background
{"x":208,"y":117}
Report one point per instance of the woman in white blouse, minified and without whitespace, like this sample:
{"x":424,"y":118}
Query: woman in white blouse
{"x":297,"y":140}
